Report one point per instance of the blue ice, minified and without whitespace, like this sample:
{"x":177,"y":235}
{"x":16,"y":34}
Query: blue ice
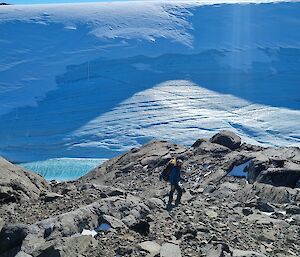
{"x":239,"y":171}
{"x":63,"y":169}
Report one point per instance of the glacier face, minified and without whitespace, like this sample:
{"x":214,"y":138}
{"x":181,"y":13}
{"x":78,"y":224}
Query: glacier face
{"x":63,"y":169}
{"x":94,"y":80}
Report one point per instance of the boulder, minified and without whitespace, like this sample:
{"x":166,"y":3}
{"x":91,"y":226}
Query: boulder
{"x":66,"y":247}
{"x":114,"y":222}
{"x":228,"y":139}
{"x":267,"y":194}
{"x":155,"y":203}
{"x":17,"y":184}
{"x":209,"y":147}
{"x":50,"y":196}
{"x":170,"y":250}
{"x":151,"y":247}
{"x":285,"y":176}
{"x":264,"y":207}
{"x":129,"y":220}
{"x":275,"y":166}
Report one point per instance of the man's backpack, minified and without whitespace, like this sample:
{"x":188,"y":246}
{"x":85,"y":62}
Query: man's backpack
{"x":167,"y":170}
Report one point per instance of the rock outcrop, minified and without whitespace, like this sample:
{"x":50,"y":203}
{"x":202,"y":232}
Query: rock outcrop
{"x":227,"y":138}
{"x":17,"y":184}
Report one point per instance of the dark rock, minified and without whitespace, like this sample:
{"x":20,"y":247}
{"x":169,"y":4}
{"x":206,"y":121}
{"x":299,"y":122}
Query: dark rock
{"x":265,"y":207}
{"x":142,"y":228}
{"x":275,"y":166}
{"x":280,"y":176}
{"x":48,"y":230}
{"x":188,"y":230}
{"x":292,"y":209}
{"x":255,"y":167}
{"x":124,"y":250}
{"x":227,"y":138}
{"x":12,"y":236}
{"x":247,"y":211}
{"x":199,"y":142}
{"x":49,"y":196}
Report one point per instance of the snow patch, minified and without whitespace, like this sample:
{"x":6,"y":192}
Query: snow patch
{"x":87,"y":232}
{"x":239,"y":171}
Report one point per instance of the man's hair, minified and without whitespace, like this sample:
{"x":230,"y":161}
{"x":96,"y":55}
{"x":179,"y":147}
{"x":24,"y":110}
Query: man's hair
{"x":179,"y":160}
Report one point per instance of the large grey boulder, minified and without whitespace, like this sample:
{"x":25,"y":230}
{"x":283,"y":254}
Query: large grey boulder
{"x":65,"y":247}
{"x":151,"y":247}
{"x":267,"y":193}
{"x":227,"y":138}
{"x":17,"y":184}
{"x":170,"y":250}
{"x":275,"y":166}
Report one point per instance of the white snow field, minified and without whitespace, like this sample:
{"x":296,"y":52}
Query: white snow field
{"x":94,"y":80}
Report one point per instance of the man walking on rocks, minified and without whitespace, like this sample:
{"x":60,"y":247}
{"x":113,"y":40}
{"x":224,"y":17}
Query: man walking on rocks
{"x":173,"y":176}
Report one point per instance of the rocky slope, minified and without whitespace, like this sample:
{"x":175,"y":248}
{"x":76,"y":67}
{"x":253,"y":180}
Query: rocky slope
{"x":16,"y":184}
{"x":119,"y":208}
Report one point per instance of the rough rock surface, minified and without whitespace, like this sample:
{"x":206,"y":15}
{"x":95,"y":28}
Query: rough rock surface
{"x":16,"y":184}
{"x":119,"y":208}
{"x":227,"y":138}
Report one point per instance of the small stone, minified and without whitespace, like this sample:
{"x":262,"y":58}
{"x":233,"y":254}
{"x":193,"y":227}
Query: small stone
{"x":49,"y":196}
{"x":247,"y":211}
{"x":211,"y":214}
